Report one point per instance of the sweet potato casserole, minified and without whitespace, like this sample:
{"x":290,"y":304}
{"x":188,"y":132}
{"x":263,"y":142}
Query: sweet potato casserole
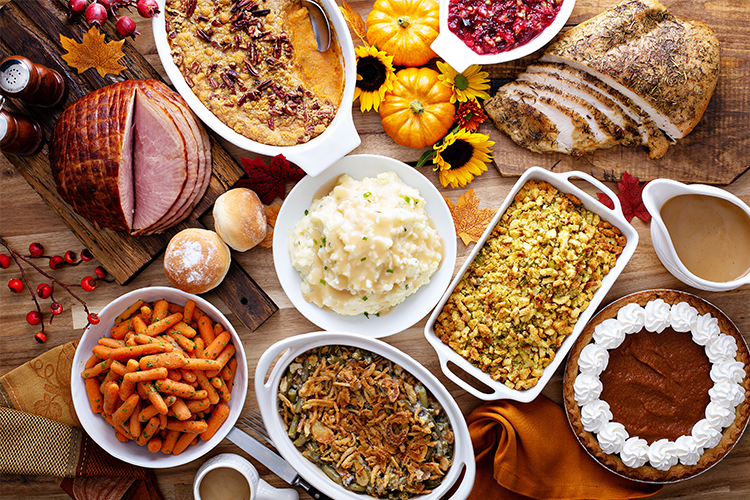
{"x":368,"y":424}
{"x":255,"y":65}
{"x":522,"y":295}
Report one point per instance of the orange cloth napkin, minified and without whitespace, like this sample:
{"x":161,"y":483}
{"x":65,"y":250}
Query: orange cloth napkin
{"x":40,"y":434}
{"x":527,"y":450}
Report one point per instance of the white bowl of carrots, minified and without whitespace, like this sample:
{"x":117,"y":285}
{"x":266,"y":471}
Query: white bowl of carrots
{"x":161,"y":379}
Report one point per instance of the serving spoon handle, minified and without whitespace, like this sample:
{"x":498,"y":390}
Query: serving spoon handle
{"x":320,"y":25}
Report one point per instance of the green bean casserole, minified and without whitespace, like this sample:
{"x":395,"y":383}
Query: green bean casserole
{"x":367,"y":423}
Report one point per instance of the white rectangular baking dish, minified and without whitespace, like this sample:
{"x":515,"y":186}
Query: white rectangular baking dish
{"x":562,"y":182}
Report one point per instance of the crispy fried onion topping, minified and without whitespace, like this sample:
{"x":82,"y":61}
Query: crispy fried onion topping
{"x":367,"y":423}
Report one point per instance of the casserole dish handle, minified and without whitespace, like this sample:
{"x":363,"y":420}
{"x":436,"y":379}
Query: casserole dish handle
{"x":486,"y":396}
{"x":591,"y":180}
{"x":264,"y":390}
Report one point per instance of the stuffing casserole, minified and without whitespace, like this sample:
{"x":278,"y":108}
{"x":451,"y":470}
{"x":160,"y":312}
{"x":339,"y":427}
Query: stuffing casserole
{"x":367,"y":423}
{"x":522,"y":295}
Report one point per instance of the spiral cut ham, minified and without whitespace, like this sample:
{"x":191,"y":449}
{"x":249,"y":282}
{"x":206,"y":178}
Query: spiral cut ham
{"x":633,"y":75}
{"x":131,"y":157}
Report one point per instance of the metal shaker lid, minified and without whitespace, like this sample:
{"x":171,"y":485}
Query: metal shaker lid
{"x":14,"y":76}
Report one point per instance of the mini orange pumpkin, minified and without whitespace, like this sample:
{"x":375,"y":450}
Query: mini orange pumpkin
{"x":418,"y":111}
{"x":404,"y":29}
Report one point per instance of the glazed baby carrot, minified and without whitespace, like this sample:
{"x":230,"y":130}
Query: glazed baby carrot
{"x":139,"y":350}
{"x":96,"y":369}
{"x":154,"y":397}
{"x":111,"y":395}
{"x":109,"y":342}
{"x":167,"y":360}
{"x":223,"y":358}
{"x":180,"y":409}
{"x":168,"y":444}
{"x":157,"y":327}
{"x":183,"y":442}
{"x":95,"y":397}
{"x":148,"y":431}
{"x":125,"y":410}
{"x":145,"y":375}
{"x":146,"y":313}
{"x":201,"y":364}
{"x":187,"y":315}
{"x":161,"y":310}
{"x":188,"y":375}
{"x":221,"y":388}
{"x":205,"y":384}
{"x":206,"y":329}
{"x":134,"y":423}
{"x":218,"y":345}
{"x":184,"y":342}
{"x":127,"y":313}
{"x":198,"y":405}
{"x":196,"y":426}
{"x":218,"y":416}
{"x":139,"y":326}
{"x":154,"y":444}
{"x":118,"y":332}
{"x":177,"y":388}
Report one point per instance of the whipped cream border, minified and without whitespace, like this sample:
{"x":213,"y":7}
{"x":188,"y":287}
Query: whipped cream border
{"x":727,"y":373}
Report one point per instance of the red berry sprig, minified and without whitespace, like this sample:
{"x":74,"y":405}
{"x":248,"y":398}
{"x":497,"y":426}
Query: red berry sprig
{"x":96,"y":12}
{"x":46,"y":291}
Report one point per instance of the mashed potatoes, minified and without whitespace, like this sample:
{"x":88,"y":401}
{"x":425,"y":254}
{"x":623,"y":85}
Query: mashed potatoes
{"x":365,"y":246}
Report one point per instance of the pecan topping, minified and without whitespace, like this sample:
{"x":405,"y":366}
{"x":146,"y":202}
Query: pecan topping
{"x":190,"y":7}
{"x":202,"y":35}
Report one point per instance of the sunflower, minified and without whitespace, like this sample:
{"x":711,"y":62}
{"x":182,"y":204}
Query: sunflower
{"x":461,"y":156}
{"x":375,"y":76}
{"x":471,"y":83}
{"x":469,"y":115}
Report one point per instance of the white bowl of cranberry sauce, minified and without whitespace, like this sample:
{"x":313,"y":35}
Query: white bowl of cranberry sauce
{"x":496,"y":31}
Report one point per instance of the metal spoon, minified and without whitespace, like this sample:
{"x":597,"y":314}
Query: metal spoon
{"x":321,"y":27}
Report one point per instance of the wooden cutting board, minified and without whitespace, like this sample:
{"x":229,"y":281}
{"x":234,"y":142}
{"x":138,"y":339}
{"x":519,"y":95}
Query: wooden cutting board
{"x":717,"y":151}
{"x":32,"y":28}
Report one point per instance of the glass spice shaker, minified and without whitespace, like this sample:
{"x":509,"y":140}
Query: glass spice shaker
{"x":33,"y":83}
{"x":19,"y":135}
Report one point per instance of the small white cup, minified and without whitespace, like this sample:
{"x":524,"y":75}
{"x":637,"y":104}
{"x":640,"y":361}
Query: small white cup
{"x":259,"y":489}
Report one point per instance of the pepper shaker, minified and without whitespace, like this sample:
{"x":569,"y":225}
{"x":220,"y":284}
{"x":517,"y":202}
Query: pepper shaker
{"x":33,"y":83}
{"x":19,"y":135}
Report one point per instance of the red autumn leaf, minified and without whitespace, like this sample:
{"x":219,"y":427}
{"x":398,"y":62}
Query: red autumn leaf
{"x":631,"y":198}
{"x":268,"y":180}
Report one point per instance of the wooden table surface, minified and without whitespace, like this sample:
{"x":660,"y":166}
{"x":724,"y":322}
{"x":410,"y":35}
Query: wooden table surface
{"x":25,"y":218}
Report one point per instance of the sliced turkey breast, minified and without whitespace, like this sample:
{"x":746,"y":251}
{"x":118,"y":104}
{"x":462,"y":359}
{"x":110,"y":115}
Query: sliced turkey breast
{"x":653,"y":138}
{"x":666,"y":66}
{"x":540,"y":124}
{"x":602,"y":128}
{"x":623,"y":128}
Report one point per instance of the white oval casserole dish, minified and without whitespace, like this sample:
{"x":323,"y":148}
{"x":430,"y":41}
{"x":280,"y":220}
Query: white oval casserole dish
{"x":562,"y":182}
{"x":313,"y":156}
{"x":266,"y":390}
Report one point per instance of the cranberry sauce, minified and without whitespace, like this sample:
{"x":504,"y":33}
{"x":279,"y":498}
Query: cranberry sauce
{"x":494,"y":26}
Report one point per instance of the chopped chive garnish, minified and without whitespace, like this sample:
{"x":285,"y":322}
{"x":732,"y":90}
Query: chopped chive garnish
{"x":323,"y":282}
{"x":362,"y":259}
{"x":364,"y":238}
{"x":367,"y":194}
{"x":389,"y":270}
{"x":364,"y":298}
{"x":367,"y":316}
{"x":306,"y":212}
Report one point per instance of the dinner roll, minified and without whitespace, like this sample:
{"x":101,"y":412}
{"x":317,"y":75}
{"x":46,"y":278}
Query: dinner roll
{"x":240,"y":218}
{"x":196,"y":260}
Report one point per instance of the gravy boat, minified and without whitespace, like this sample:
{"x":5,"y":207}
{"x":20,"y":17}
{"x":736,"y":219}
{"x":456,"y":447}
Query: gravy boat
{"x":655,"y":195}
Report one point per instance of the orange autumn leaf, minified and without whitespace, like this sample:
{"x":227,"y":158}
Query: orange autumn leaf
{"x":93,"y":52}
{"x":272,"y":212}
{"x":470,"y":220}
{"x":355,"y":22}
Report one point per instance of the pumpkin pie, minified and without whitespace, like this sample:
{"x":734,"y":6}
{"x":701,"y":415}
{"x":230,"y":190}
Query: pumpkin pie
{"x":657,"y":387}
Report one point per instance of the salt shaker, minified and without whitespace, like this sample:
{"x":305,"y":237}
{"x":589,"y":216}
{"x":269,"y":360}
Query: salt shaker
{"x":18,"y":135}
{"x":33,"y":83}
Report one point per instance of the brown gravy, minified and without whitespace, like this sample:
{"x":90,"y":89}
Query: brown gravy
{"x":711,"y":236}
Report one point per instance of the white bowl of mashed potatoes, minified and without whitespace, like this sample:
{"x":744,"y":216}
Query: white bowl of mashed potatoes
{"x":369,"y":246}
